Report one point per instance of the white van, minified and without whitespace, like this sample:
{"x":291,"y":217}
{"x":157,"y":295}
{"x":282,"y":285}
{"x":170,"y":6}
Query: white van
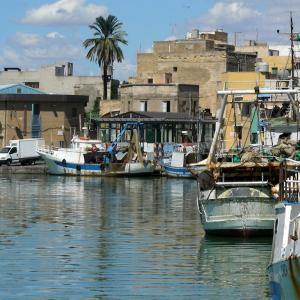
{"x":23,"y":151}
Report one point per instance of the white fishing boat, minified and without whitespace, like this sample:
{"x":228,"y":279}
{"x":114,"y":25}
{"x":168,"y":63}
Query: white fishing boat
{"x":179,"y":163}
{"x":91,"y":158}
{"x":237,"y":192}
{"x":284,"y":268}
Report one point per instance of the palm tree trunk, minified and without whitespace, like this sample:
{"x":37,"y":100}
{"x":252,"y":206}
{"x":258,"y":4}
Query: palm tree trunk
{"x":104,"y":82}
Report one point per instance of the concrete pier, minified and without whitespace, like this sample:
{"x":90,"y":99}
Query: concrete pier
{"x":39,"y":168}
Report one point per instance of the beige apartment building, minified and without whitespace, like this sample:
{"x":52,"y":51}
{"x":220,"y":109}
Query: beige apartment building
{"x":200,"y":59}
{"x":57,"y":79}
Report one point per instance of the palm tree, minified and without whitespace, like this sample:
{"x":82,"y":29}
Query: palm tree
{"x":104,"y":46}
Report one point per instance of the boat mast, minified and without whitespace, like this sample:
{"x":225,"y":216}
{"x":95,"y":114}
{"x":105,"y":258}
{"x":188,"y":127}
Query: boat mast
{"x":292,"y":50}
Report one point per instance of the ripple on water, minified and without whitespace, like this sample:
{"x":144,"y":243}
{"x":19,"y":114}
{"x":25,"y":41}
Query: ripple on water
{"x":118,"y":238}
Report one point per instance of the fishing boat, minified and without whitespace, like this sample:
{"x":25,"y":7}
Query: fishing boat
{"x":237,"y":192}
{"x":284,"y":268}
{"x":91,"y":157}
{"x":178,"y":166}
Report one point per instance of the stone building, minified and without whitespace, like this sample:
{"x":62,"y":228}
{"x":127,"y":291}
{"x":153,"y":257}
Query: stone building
{"x":182,"y":98}
{"x":201,"y":60}
{"x":26,"y":112}
{"x":57,"y":79}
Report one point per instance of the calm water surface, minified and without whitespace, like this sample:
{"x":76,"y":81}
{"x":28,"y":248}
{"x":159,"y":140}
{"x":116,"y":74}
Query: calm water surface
{"x":118,"y":238}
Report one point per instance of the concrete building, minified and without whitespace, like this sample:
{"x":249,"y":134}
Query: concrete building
{"x":26,"y":112}
{"x":182,"y":98}
{"x":271,"y":62}
{"x":201,"y":60}
{"x":57,"y":79}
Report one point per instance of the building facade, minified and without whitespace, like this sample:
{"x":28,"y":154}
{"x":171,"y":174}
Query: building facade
{"x":29,"y":113}
{"x":201,"y":60}
{"x":177,"y":98}
{"x":57,"y":79}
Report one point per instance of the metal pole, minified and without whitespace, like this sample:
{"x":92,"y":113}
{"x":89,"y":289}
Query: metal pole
{"x":292,"y":50}
{"x":217,"y":130}
{"x":5,"y":123}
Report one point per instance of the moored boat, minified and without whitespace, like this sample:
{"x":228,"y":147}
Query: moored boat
{"x":237,"y":192}
{"x":85,"y":158}
{"x":284,"y":268}
{"x":178,"y":166}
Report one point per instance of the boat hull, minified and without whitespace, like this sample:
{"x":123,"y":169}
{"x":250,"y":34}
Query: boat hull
{"x":250,"y":213}
{"x":181,"y":172}
{"x":62,"y":167}
{"x":284,"y":277}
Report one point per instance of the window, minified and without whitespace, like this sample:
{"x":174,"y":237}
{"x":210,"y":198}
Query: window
{"x":168,"y":77}
{"x":174,"y":69}
{"x":19,"y":91}
{"x":35,"y":85}
{"x":143,"y":106}
{"x":150,"y":80}
{"x":13,"y":150}
{"x":60,"y":71}
{"x":166,"y":106}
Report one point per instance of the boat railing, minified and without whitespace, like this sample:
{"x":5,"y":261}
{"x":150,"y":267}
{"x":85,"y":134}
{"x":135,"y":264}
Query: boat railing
{"x":242,"y":183}
{"x":289,"y":182}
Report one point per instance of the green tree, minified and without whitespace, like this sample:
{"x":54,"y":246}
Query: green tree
{"x":104,"y":47}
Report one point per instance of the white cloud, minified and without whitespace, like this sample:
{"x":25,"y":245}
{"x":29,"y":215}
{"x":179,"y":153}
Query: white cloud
{"x":26,"y":39}
{"x":28,"y":50}
{"x":251,"y":19}
{"x":64,"y":12}
{"x":231,"y":13}
{"x":54,"y":35}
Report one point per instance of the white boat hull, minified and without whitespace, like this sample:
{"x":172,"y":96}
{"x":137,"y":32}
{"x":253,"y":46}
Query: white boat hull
{"x":284,"y":269}
{"x":63,"y":167}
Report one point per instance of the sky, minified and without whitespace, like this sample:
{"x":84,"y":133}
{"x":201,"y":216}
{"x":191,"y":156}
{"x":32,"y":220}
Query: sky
{"x":43,"y":32}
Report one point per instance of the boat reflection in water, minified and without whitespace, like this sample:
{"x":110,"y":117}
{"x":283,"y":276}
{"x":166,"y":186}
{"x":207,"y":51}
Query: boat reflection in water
{"x":234,"y":268}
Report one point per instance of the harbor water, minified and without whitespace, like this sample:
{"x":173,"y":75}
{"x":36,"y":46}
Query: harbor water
{"x":119,"y":238}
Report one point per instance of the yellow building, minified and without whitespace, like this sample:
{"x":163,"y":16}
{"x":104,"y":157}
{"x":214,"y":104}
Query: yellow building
{"x":272,"y":72}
